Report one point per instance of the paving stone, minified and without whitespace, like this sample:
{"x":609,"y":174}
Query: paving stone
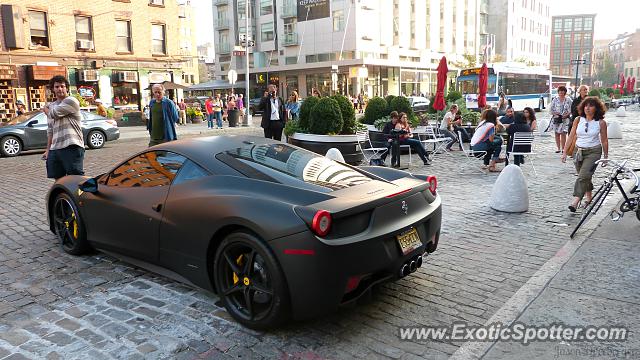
{"x":17,"y":356}
{"x":15,"y":337}
{"x":4,"y":352}
{"x":68,"y":324}
{"x":146,"y":348}
{"x":115,"y":330}
{"x":152,"y":302}
{"x":89,"y":336}
{"x":59,"y":338}
{"x":76,"y":312}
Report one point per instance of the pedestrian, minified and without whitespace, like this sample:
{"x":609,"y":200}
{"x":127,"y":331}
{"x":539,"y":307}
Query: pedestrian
{"x":147,"y":113}
{"x":240,"y":105}
{"x":407,"y":139}
{"x":591,"y":144}
{"x":519,"y":125}
{"x":360,"y":103}
{"x":208,"y":106}
{"x":182,"y":111}
{"x":273,"y":114}
{"x":20,"y":108}
{"x":446,"y":126}
{"x":218,"y":105}
{"x":530,"y":118}
{"x":583,"y":91}
{"x":65,"y":140}
{"x":293,"y":106}
{"x":560,"y":113}
{"x":484,"y":139}
{"x":387,"y":132}
{"x":100,"y":108}
{"x":502,"y":104}
{"x":316,"y":92}
{"x":163,"y":117}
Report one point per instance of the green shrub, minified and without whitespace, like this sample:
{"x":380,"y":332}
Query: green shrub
{"x":348,"y":114}
{"x":430,"y":109}
{"x":83,"y":102}
{"x":471,"y":116}
{"x":305,"y":111}
{"x":595,"y":92}
{"x":389,"y":100}
{"x":291,"y":127}
{"x":376,"y":108}
{"x":401,"y":104}
{"x":379,"y":124}
{"x":452,"y":96}
{"x":325,"y":117}
{"x":414,"y":120}
{"x":608,"y":91}
{"x":462,"y":106}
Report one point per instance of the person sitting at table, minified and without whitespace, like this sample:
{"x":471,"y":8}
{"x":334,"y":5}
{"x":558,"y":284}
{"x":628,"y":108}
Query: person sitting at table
{"x":457,"y":127}
{"x":387,"y":132}
{"x":508,"y":118}
{"x":530,"y":118}
{"x":446,"y":126}
{"x":484,"y":139}
{"x":519,"y":125}
{"x":407,"y":139}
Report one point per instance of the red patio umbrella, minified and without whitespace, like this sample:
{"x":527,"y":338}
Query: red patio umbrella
{"x":483,"y":80}
{"x":629,"y":85}
{"x":621,"y":83}
{"x":633,"y":83}
{"x":439,"y":103}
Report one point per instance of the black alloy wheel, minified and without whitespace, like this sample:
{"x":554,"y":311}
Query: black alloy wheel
{"x":68,"y":225}
{"x":250,"y":283}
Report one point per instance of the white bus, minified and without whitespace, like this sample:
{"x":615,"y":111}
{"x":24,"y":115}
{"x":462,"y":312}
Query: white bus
{"x":523,"y":86}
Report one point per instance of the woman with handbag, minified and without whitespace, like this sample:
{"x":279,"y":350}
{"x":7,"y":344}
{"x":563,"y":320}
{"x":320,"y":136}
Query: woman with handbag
{"x":560,"y":113}
{"x":590,"y":135}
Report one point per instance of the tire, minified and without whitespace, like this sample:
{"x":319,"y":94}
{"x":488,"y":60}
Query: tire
{"x":96,"y":139}
{"x":68,"y":225}
{"x":10,"y":146}
{"x":250,"y":283}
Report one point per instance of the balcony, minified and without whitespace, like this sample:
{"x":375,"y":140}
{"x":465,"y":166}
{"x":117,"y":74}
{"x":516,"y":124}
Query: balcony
{"x":223,"y":48}
{"x":288,"y":10}
{"x":290,"y":39}
{"x":220,"y":2}
{"x":222,"y":23}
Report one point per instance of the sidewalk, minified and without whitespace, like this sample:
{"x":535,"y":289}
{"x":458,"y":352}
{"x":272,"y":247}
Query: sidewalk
{"x":137,"y":132}
{"x":598,"y":286}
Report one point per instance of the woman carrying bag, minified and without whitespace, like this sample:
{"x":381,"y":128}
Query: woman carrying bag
{"x":590,"y":135}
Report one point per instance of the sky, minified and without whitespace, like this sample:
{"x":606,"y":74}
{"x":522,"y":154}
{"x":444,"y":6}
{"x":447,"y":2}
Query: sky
{"x":613,"y":16}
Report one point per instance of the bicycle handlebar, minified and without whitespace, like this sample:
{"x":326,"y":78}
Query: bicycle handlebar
{"x":621,"y":167}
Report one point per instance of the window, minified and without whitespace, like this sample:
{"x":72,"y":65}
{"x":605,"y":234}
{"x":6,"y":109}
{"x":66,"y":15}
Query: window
{"x":557,"y":24}
{"x":151,"y":169}
{"x":588,"y":24}
{"x":84,"y":36}
{"x":266,"y":31}
{"x":290,"y":60}
{"x":190,"y":171}
{"x":577,"y":24}
{"x":123,"y":36}
{"x":568,"y":24}
{"x":338,"y":20}
{"x":266,"y":7}
{"x":523,"y":45}
{"x":567,"y":41}
{"x":38,"y":28}
{"x":587,"y":41}
{"x":556,"y":40}
{"x":157,"y":39}
{"x":556,"y":56}
{"x":577,"y":38}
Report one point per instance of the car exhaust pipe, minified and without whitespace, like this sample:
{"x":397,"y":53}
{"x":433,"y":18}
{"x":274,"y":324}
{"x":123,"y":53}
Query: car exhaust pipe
{"x":419,"y":261}
{"x":412,"y":266}
{"x":404,"y":270}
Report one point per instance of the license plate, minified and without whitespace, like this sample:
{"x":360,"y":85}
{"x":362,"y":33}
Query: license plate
{"x":409,"y":241}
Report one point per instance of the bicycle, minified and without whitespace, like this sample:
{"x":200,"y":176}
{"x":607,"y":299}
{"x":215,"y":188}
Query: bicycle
{"x":627,"y":204}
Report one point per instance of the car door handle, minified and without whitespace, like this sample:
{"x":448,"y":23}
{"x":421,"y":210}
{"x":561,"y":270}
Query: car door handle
{"x":157,"y":207}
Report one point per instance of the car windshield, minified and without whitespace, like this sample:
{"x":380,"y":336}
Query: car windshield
{"x":21,"y":118}
{"x":292,"y":166}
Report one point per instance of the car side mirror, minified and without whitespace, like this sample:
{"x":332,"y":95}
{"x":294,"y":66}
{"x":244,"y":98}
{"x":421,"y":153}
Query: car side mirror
{"x":31,"y":123}
{"x":90,"y":186}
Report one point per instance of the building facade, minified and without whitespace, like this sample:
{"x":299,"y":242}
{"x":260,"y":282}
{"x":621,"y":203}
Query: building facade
{"x":571,"y":39}
{"x":516,"y":30}
{"x":375,"y":47}
{"x":108,"y":49}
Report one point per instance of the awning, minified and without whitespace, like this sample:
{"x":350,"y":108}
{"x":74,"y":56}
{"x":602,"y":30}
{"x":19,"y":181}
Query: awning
{"x":168,"y":85}
{"x":217,"y":84}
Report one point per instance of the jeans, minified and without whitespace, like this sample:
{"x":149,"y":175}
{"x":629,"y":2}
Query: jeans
{"x":67,"y":161}
{"x":451,"y":136}
{"x":210,"y":120}
{"x":491,"y":147}
{"x":218,"y":119}
{"x":416,"y":145}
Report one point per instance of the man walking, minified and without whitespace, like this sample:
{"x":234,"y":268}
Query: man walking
{"x":273,"y":114}
{"x":65,"y":142}
{"x":183,"y":112}
{"x":163,"y":117}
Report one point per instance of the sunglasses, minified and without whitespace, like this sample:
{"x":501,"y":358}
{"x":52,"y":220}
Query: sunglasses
{"x":586,"y":127}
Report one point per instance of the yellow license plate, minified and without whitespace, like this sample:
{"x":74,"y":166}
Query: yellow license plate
{"x":409,"y":241}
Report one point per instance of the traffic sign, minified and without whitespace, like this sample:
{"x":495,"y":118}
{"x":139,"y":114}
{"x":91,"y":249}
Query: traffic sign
{"x":232,"y":75}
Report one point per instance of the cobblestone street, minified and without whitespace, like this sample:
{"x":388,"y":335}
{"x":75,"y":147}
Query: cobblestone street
{"x":57,"y":306}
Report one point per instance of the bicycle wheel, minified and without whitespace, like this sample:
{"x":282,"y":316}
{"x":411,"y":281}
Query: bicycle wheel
{"x":596,"y":200}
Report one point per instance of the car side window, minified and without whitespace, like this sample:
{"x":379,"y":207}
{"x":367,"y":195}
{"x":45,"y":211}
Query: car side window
{"x":91,"y":116}
{"x":42,"y":119}
{"x":153,"y":168}
{"x":190,"y":171}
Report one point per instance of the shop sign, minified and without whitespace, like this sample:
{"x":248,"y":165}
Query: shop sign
{"x":87,"y":92}
{"x":8,"y":72}
{"x":45,"y":73}
{"x":358,"y":72}
{"x":274,"y":79}
{"x":313,"y":9}
{"x":261,"y":79}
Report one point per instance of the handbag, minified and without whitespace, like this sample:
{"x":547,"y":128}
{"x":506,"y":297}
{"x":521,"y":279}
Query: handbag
{"x":557,"y":119}
{"x":571,"y":148}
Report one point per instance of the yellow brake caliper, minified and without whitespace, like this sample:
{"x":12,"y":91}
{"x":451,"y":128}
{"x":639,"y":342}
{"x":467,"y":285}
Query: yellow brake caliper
{"x":75,"y":226}
{"x":239,"y":262}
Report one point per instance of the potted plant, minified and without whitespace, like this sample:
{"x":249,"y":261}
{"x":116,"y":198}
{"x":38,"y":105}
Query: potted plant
{"x":325,"y":123}
{"x":197,"y":116}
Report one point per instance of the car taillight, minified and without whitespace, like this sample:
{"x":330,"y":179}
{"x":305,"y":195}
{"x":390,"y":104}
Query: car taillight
{"x":433,"y":184}
{"x":321,"y":223}
{"x":112,"y":122}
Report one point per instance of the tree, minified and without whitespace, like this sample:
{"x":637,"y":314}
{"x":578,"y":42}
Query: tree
{"x":468,"y":62}
{"x":608,"y":75}
{"x":497,"y":58}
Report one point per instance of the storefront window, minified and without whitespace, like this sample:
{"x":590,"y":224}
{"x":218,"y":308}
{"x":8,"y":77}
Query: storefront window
{"x":322,"y":82}
{"x":292,"y":85}
{"x":126,"y":95}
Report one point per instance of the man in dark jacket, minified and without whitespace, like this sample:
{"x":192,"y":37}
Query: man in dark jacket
{"x":387,"y":132}
{"x":583,"y":91}
{"x":273,"y":114}
{"x":519,"y":125}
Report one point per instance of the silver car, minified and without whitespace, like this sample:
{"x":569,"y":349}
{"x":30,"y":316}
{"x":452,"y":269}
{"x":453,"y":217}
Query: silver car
{"x":29,"y":132}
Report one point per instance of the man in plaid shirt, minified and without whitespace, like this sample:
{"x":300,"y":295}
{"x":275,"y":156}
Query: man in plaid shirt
{"x":65,"y":142}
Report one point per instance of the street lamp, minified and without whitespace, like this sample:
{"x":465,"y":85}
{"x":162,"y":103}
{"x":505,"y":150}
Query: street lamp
{"x":579,"y":60}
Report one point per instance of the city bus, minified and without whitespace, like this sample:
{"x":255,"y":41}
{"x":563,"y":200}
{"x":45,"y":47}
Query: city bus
{"x":523,"y":86}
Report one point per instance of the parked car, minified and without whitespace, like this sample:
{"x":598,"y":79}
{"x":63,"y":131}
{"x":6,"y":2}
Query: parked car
{"x":419,"y":103}
{"x":254,"y":105}
{"x":277,"y":231}
{"x":29,"y":132}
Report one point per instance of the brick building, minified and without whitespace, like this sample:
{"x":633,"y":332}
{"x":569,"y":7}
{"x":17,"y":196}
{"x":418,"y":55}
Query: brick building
{"x":571,"y":38}
{"x":109,"y":49}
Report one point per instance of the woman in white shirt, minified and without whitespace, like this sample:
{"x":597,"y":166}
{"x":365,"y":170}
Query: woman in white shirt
{"x":446,"y":126}
{"x":591,"y":144}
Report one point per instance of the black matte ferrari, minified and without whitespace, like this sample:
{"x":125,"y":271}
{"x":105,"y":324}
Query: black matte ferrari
{"x":277,"y":231}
